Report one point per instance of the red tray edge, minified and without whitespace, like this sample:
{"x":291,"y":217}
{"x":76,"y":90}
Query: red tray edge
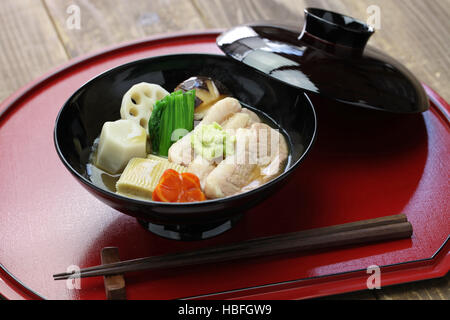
{"x":436,"y":266}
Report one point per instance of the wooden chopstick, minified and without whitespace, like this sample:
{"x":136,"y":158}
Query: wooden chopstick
{"x":284,"y":237}
{"x":385,"y":228}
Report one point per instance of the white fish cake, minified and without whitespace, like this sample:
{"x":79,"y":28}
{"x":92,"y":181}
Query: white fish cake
{"x":138,"y":102}
{"x":120,"y":141}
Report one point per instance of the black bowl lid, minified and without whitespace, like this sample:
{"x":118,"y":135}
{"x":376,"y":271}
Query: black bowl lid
{"x":328,"y":57}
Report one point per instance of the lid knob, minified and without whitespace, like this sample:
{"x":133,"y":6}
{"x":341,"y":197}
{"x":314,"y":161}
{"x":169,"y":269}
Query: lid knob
{"x":329,"y":29}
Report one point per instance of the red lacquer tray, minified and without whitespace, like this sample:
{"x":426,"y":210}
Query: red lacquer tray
{"x":49,"y":222}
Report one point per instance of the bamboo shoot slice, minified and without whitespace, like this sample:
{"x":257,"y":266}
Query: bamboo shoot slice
{"x":141,"y":176}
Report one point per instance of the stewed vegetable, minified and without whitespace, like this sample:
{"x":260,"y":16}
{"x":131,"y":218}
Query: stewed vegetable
{"x":158,"y":152}
{"x":173,"y":115}
{"x":207,"y":92}
{"x":176,"y":187}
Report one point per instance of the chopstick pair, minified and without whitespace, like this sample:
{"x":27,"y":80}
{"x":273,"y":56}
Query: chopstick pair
{"x":379,"y":229}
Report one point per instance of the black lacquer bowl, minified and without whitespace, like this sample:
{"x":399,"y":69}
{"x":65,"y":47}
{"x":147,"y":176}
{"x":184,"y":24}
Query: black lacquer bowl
{"x":81,"y":119}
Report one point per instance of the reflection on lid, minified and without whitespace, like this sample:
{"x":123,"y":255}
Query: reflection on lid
{"x":279,"y":67}
{"x":295,"y":77}
{"x":237,"y":34}
{"x":267,"y":61}
{"x":280,"y":47}
{"x":263,"y":44}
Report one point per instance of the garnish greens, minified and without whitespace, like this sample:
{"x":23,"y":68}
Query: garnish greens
{"x":171,"y":119}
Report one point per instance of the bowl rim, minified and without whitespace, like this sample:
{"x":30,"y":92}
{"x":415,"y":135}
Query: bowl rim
{"x":243,"y":195}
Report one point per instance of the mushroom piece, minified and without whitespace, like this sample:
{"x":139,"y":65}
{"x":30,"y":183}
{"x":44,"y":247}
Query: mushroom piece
{"x":207,"y":92}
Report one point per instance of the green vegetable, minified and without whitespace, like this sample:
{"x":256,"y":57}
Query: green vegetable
{"x":171,"y":119}
{"x":211,"y":141}
{"x":154,"y":124}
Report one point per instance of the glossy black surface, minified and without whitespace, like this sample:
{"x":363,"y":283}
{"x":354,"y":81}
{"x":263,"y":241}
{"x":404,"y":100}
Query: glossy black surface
{"x":82,"y":116}
{"x":328,"y":57}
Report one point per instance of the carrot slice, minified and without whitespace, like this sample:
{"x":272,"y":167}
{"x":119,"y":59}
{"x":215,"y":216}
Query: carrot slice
{"x":175,"y":187}
{"x":191,"y":188}
{"x":169,"y":187}
{"x":192,"y":195}
{"x":167,"y":194}
{"x":169,"y":173}
{"x":190,"y":181}
{"x":155,"y":196}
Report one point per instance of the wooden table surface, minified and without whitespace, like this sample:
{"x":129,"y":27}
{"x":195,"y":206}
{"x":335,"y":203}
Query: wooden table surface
{"x":38,"y":35}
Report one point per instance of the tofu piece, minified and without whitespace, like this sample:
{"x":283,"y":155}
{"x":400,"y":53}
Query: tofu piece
{"x":141,"y":176}
{"x":120,"y":141}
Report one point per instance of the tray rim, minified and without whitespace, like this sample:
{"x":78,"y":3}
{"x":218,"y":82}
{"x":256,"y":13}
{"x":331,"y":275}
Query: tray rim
{"x":438,"y":263}
{"x":352,"y":280}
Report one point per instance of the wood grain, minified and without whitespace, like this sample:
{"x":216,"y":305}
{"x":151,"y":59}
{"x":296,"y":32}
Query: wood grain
{"x":358,"y":295}
{"x":29,"y":45}
{"x":434,"y":289}
{"x":228,"y":13}
{"x":108,"y":22}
